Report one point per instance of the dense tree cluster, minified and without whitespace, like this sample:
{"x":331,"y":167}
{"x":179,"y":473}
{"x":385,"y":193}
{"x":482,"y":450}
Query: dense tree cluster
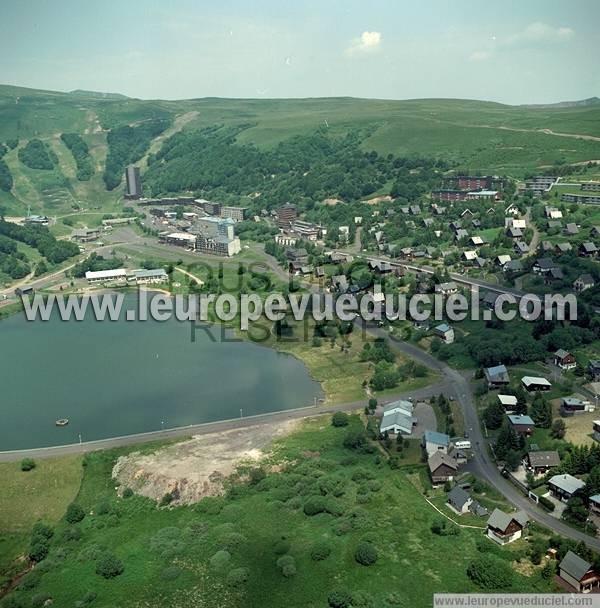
{"x":37,"y":155}
{"x":40,"y":238}
{"x":94,"y":263}
{"x":305,"y":168}
{"x":127,"y":144}
{"x":81,"y":154}
{"x":6,"y":180}
{"x":12,"y":262}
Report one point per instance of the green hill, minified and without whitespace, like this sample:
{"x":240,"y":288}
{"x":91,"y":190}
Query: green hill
{"x":466,"y":134}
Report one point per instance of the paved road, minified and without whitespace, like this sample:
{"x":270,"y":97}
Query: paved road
{"x":212,"y":427}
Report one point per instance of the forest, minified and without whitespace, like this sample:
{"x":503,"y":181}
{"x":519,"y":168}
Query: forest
{"x":37,"y":155}
{"x":304,"y":169}
{"x":6,"y":180}
{"x":81,"y":153}
{"x":127,"y":144}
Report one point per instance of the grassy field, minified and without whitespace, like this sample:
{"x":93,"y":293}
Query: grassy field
{"x":27,"y":497}
{"x":224,"y":551}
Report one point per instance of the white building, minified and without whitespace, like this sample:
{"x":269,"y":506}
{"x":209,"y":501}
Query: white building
{"x":106,"y":276}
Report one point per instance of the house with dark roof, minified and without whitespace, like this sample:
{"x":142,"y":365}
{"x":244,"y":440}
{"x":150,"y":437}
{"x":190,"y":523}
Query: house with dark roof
{"x":583,"y":282}
{"x":505,"y":528}
{"x":521,"y":247}
{"x":555,"y":275}
{"x":542,"y":265}
{"x":496,"y":376}
{"x":524,"y":425}
{"x":578,"y":573}
{"x":444,"y":332}
{"x":588,"y":250}
{"x":563,"y":248}
{"x":541,"y":461}
{"x":574,"y":405}
{"x":564,"y":359}
{"x":446,"y":288}
{"x":459,"y":500}
{"x":564,"y":486}
{"x":442,"y":467}
{"x":513,"y":266}
{"x":571,"y":229}
{"x":514,"y":233}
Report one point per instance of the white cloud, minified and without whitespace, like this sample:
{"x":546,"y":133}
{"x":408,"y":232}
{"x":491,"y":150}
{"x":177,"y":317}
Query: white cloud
{"x":367,"y":43}
{"x":539,"y":33}
{"x":480,"y":56}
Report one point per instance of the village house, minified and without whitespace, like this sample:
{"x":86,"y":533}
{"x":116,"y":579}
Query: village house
{"x":501,"y":260}
{"x":583,"y":282}
{"x":508,"y":402}
{"x":564,"y":486}
{"x":595,"y":504}
{"x":588,"y":250}
{"x":469,"y":256}
{"x":535,"y":383}
{"x":553,"y":213}
{"x":555,"y":275}
{"x":434,"y":442}
{"x":564,"y":359}
{"x":444,"y":332}
{"x":562,"y":248}
{"x":571,"y":229}
{"x":505,"y":528}
{"x":340,"y":283}
{"x":593,"y":369}
{"x":542,"y":266}
{"x":496,"y":376}
{"x":149,"y":277}
{"x":521,"y":247}
{"x":459,"y":500}
{"x":574,"y":405}
{"x":476,"y":241}
{"x":461,"y":233}
{"x":540,"y":462}
{"x":578,"y":573}
{"x":513,"y":266}
{"x":442,"y":467}
{"x":596,"y":427}
{"x":522,"y":424}
{"x":398,"y":418}
{"x":85,"y":235}
{"x":514,"y":233}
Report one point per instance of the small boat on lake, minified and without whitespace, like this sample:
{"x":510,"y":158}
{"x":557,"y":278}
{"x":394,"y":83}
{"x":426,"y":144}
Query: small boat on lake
{"x":62,"y":422}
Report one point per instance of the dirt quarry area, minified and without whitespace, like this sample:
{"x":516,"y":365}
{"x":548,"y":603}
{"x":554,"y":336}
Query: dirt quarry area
{"x":196,"y":467}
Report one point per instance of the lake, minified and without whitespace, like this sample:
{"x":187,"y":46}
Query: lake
{"x":118,"y":378}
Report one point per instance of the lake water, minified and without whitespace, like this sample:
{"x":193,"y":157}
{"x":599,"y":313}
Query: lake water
{"x":117,"y":378}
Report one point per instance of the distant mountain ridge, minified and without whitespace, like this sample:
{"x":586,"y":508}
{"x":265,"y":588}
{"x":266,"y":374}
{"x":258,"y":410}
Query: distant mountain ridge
{"x":591,"y":101}
{"x":84,"y":93}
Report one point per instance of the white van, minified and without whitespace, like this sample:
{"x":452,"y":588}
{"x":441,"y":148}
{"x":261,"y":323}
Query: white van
{"x":462,"y":444}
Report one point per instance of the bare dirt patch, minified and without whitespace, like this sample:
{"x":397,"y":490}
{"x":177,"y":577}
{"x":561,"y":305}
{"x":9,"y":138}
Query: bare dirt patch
{"x":197,"y":467}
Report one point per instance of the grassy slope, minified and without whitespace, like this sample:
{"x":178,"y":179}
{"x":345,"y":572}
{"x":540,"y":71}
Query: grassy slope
{"x":471,"y":133}
{"x":393,"y":514}
{"x":27,"y":497}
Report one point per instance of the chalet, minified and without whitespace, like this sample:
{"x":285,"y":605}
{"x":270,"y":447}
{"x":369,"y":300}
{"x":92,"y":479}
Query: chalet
{"x":455,"y":226}
{"x":562,"y":248}
{"x":574,"y":405}
{"x":520,"y":224}
{"x":512,"y":209}
{"x":505,"y":528}
{"x":398,"y":418}
{"x":521,"y":247}
{"x":593,"y":369}
{"x":434,"y":442}
{"x":541,"y":462}
{"x":476,"y":223}
{"x":595,"y":231}
{"x":489,"y":299}
{"x":415,"y":210}
{"x":524,"y":425}
{"x":446,"y":288}
{"x":514,"y":233}
{"x":480,"y":262}
{"x":535,"y":383}
{"x":555,"y":275}
{"x":564,"y":359}
{"x":588,"y":250}
{"x":442,"y":467}
{"x":427,"y":222}
{"x":459,"y":500}
{"x":596,"y":427}
{"x":583,"y":282}
{"x":461,"y":233}
{"x":380,"y":266}
{"x":578,"y":573}
{"x":502,"y":259}
{"x":476,"y":241}
{"x":339,"y":258}
{"x":564,"y":486}
{"x":319,"y":272}
{"x":340,"y":282}
{"x":546,"y":246}
{"x":571,"y":229}
{"x":595,"y":504}
{"x":508,"y":402}
{"x":444,"y":332}
{"x":466,"y":212}
{"x":513,"y":266}
{"x":469,"y":256}
{"x":553,"y":213}
{"x":542,"y":266}
{"x":553,"y":224}
{"x":496,"y":376}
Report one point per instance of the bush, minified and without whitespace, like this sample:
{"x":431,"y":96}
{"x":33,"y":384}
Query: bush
{"x":27,"y":464}
{"x":220,"y":560}
{"x":167,"y":542}
{"x":547,"y":503}
{"x":74,"y":513}
{"x":287,"y":565}
{"x":40,"y":599}
{"x":170,"y":573}
{"x":282,"y":547}
{"x":365,"y":554}
{"x":109,"y":566}
{"x":40,"y":529}
{"x":166,"y":500}
{"x":256,"y":475}
{"x":340,"y":419}
{"x":490,"y":573}
{"x":340,"y":598}
{"x":320,"y":550}
{"x":237,"y":577}
{"x":39,"y":548}
{"x":314,"y":505}
{"x":127,"y":493}
{"x":72,"y":533}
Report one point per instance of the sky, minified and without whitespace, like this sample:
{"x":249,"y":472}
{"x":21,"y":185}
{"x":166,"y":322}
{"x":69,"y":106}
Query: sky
{"x":511,"y":51}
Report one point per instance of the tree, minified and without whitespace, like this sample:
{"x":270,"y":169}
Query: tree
{"x":541,"y":412}
{"x":109,"y":566}
{"x":74,"y":513}
{"x":494,"y":415}
{"x":320,"y":550}
{"x":39,"y":548}
{"x":27,"y":464}
{"x":365,"y":554}
{"x":490,"y":573}
{"x":339,"y":598}
{"x":576,"y":511}
{"x":340,"y":419}
{"x":372,"y":404}
{"x":558,"y":429}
